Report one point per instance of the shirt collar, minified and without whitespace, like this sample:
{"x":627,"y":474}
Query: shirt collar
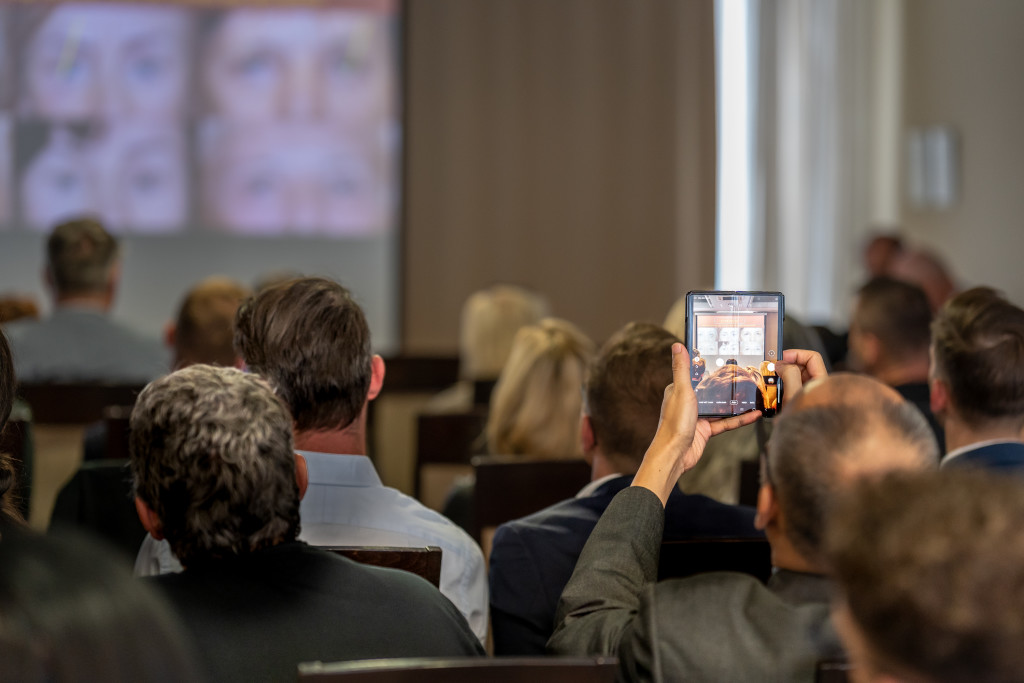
{"x":341,"y":470}
{"x":957,"y":452}
{"x":593,"y":486}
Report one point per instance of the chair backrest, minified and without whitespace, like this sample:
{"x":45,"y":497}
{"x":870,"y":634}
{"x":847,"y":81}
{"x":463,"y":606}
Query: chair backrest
{"x":421,"y":373}
{"x":116,"y":419}
{"x":464,"y":670}
{"x":482,"y":390}
{"x":75,"y":403}
{"x":425,"y":561}
{"x":445,"y":444}
{"x":510,"y":487}
{"x":833,"y":671}
{"x":696,"y":556}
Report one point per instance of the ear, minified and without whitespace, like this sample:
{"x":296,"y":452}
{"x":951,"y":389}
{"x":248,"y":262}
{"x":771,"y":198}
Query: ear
{"x":938,"y":396}
{"x":870,"y":349}
{"x":150,"y":522}
{"x":376,"y":377}
{"x":301,"y":475}
{"x":767,"y":508}
{"x":170,"y":334}
{"x":587,"y":438}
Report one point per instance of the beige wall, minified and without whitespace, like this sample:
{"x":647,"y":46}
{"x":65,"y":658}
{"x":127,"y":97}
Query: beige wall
{"x":964,"y":69}
{"x":567,"y":145}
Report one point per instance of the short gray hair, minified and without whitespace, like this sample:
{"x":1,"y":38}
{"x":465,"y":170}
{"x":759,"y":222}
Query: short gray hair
{"x":80,"y":254}
{"x":811,"y":449}
{"x":212,"y":456}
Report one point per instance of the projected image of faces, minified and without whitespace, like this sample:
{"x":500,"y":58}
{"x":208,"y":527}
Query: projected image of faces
{"x":132,"y":175}
{"x":300,"y":64}
{"x":97,"y":60}
{"x":297,"y":179}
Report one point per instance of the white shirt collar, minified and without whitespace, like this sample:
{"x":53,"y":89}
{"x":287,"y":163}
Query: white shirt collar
{"x":593,"y":486}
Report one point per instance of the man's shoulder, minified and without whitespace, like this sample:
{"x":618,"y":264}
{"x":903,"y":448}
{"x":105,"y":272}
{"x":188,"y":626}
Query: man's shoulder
{"x":1006,"y":455}
{"x":689,"y":515}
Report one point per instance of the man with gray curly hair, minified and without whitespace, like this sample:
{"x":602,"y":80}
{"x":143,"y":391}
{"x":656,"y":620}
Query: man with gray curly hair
{"x":212,"y":457}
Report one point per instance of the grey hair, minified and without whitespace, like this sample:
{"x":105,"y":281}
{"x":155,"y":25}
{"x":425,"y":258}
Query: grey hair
{"x":212,"y":455}
{"x":810,"y":449}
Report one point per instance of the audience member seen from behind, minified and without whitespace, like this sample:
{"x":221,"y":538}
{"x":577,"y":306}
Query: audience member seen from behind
{"x":977,"y":380}
{"x":926,"y":270}
{"x":490,"y":319}
{"x":889,"y":339}
{"x":310,"y":339}
{"x":727,"y":626}
{"x":535,"y":405}
{"x":879,"y":253}
{"x":213,"y":461}
{"x":533,"y":557}
{"x":930,"y":570}
{"x":79,"y":341}
{"x":204,"y":330}
{"x":72,"y":614}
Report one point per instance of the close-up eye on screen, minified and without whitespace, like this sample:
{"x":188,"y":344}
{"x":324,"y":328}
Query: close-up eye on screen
{"x":734,"y":340}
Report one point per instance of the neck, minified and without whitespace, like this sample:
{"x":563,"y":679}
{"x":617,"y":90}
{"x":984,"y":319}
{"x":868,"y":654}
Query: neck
{"x":785,"y":556}
{"x":601,"y":466}
{"x":98,"y":301}
{"x":959,"y":434}
{"x":909,"y":372}
{"x":348,"y":441}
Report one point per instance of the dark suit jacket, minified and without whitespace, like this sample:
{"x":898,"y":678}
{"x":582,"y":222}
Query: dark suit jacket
{"x":255,"y":617}
{"x":1007,"y":456}
{"x":720,"y":626}
{"x":532,"y":558}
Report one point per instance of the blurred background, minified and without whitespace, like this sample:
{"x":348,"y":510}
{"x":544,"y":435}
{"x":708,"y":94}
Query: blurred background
{"x":611,"y":155}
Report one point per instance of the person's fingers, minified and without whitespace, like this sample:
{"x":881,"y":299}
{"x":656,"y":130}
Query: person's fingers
{"x":792,"y":377}
{"x":735,"y":422}
{"x":680,"y":365}
{"x":811,"y":363}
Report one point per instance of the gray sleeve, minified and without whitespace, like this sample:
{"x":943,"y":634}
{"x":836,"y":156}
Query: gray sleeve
{"x":599,"y":605}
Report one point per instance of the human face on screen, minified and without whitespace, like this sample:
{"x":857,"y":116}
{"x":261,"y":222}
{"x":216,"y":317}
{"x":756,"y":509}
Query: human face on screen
{"x":132,"y":175}
{"x":56,"y":183}
{"x":96,"y":60}
{"x":300,"y":64}
{"x":270,"y":179}
{"x":140,"y":176}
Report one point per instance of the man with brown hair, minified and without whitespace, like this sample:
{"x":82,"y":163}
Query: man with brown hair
{"x":79,"y":341}
{"x":204,"y":330}
{"x":977,"y":380}
{"x":310,"y":339}
{"x":725,"y":626}
{"x":930,"y":570}
{"x":889,"y":340}
{"x":533,"y":557}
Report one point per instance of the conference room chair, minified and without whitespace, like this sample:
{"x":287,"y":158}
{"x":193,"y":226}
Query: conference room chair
{"x":409,"y":384}
{"x":424,"y":562}
{"x":464,"y":670}
{"x":445,"y":446}
{"x":510,"y":487}
{"x":61,"y":413}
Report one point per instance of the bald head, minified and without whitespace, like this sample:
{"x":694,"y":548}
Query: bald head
{"x":836,"y":430}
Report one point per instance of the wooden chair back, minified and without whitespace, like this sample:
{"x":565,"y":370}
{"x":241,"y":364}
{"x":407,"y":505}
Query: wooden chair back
{"x":116,"y":419}
{"x":425,"y":562}
{"x":445,"y":445}
{"x":696,"y":556}
{"x":510,"y":487}
{"x":75,"y":403}
{"x":464,"y":670}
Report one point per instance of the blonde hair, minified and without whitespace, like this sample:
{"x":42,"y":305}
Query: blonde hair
{"x":490,"y":319}
{"x":535,"y":409}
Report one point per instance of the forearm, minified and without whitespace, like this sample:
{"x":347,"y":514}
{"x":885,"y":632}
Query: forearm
{"x":621,"y":557}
